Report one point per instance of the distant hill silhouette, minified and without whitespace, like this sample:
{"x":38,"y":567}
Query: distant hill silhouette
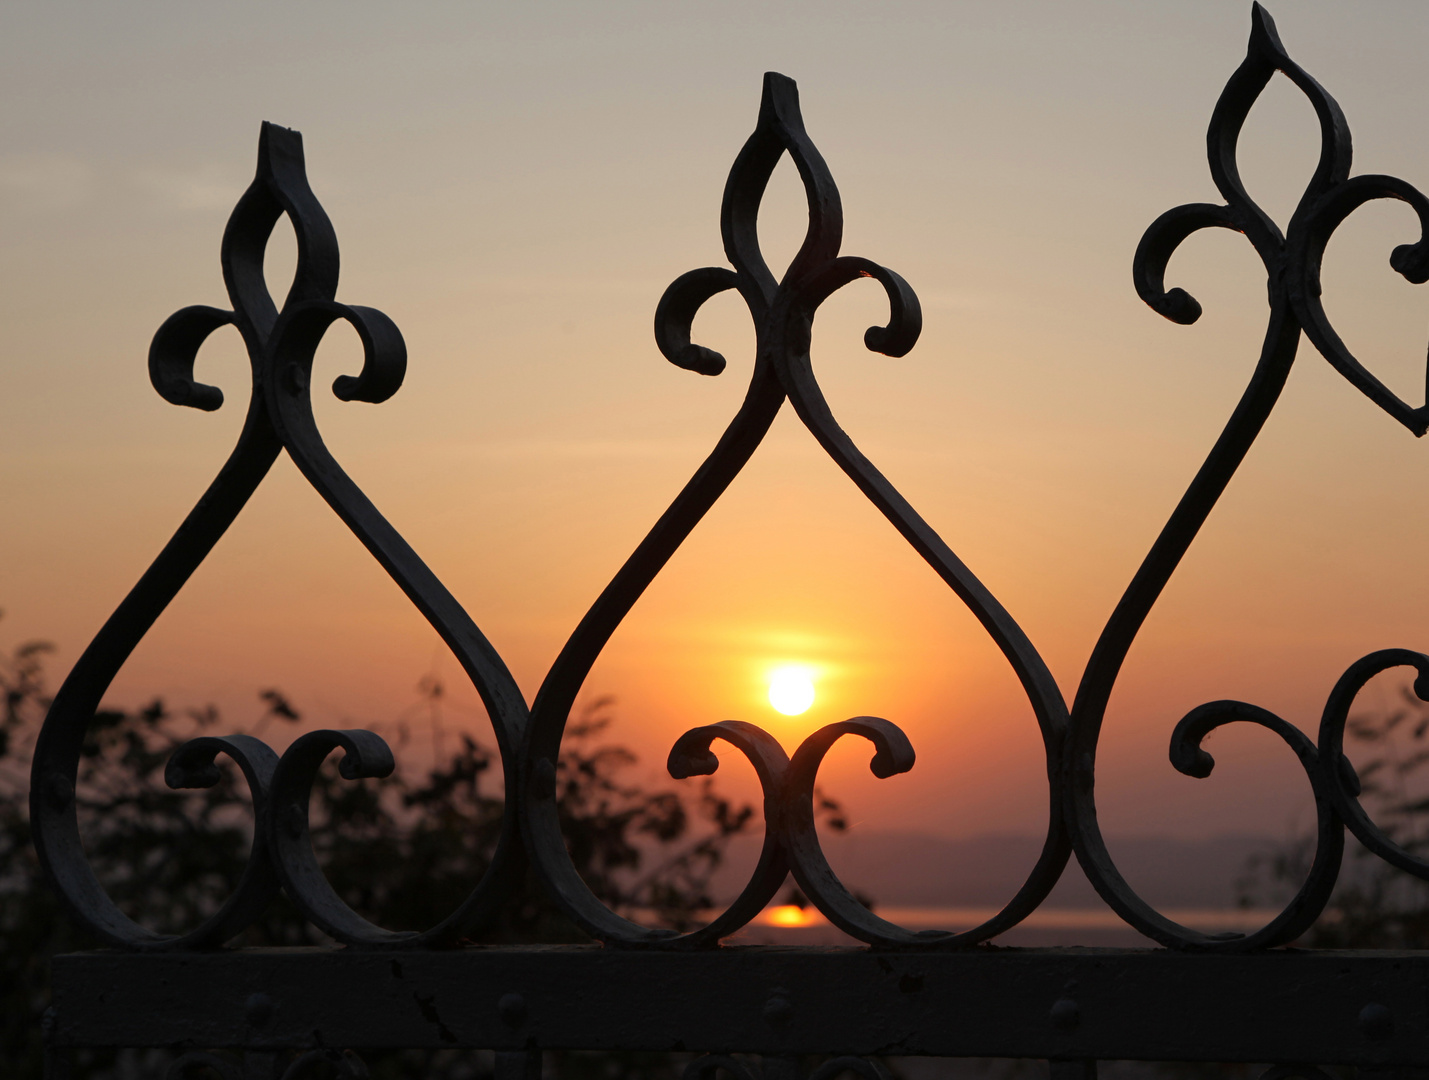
{"x":918,"y":870}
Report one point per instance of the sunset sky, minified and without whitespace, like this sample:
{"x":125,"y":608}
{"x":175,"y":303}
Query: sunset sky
{"x":515,"y":185}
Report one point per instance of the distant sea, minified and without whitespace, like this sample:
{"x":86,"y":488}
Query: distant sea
{"x":1216,"y":885}
{"x":1046,"y":926}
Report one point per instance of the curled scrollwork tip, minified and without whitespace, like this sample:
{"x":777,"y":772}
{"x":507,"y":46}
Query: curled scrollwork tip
{"x":192,"y":769}
{"x":905,"y":319}
{"x":384,"y":352}
{"x":905,"y":314}
{"x":693,"y":752}
{"x":384,"y":365}
{"x":195,"y":763}
{"x":890,"y":762}
{"x":1179,"y":306}
{"x":878,"y":339}
{"x":368,"y":756}
{"x":1187,"y":757}
{"x":1411,"y":261}
{"x":365,"y":755}
{"x":691,"y":757}
{"x":699,"y":359}
{"x":893,"y":753}
{"x":675,"y":315}
{"x":1160,"y":241}
{"x":193,"y":395}
{"x":172,"y":354}
{"x":1421,"y":685}
{"x":1191,"y":760}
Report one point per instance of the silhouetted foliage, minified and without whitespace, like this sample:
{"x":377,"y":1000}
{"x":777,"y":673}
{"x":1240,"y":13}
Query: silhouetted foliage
{"x":1374,"y":905}
{"x":403,"y":851}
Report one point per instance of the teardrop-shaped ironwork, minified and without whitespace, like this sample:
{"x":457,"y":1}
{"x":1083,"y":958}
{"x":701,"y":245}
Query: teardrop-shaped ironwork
{"x":1292,"y":265}
{"x":783,"y":313}
{"x":281,"y":344}
{"x":280,"y":348}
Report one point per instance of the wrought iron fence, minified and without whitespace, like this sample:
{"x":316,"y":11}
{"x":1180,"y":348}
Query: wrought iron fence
{"x":1204,"y":997}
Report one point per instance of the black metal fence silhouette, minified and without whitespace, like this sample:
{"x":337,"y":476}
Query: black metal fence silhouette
{"x":1208,"y":997}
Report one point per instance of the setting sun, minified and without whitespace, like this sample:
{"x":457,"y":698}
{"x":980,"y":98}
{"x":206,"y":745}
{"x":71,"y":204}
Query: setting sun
{"x":791,"y":690}
{"x":788,"y":915}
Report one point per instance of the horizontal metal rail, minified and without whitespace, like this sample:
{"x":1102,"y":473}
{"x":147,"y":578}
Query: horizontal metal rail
{"x":1328,"y":1007}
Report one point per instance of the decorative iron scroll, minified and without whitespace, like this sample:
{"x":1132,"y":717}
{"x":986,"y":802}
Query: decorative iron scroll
{"x":281,"y":345}
{"x":1292,"y":265}
{"x":783,"y":314}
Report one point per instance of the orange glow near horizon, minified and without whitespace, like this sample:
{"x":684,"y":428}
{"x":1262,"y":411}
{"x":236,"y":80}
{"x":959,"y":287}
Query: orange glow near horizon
{"x":790,"y":915}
